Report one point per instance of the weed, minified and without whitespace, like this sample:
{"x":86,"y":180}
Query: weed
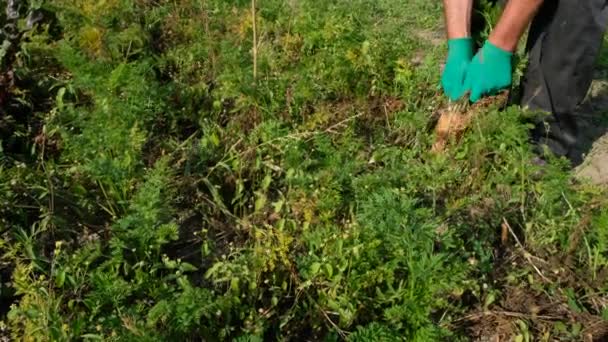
{"x":166,"y":186}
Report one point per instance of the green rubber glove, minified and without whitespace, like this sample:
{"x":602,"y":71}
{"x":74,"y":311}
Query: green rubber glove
{"x":460,"y":53}
{"x":489,"y":72}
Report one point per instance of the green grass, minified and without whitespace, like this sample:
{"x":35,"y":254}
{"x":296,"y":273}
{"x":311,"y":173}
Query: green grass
{"x":159,"y":191}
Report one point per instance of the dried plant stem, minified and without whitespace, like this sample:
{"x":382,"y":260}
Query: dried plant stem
{"x":527,"y":254}
{"x":255,"y":40}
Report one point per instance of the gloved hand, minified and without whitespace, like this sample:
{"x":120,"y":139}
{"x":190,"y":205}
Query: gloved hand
{"x":460,"y":53}
{"x":489,"y":72}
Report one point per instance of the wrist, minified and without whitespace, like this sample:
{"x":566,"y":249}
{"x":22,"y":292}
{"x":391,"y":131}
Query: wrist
{"x":461,"y":46}
{"x":504,"y":42}
{"x":494,"y":51}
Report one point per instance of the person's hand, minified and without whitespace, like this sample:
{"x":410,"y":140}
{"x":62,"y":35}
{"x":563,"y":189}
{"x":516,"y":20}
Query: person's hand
{"x":489,"y":72}
{"x":460,"y":53}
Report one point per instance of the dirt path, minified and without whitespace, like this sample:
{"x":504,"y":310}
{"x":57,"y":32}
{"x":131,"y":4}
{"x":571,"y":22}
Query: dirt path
{"x":595,"y":167}
{"x":594,"y":133}
{"x":434,"y":37}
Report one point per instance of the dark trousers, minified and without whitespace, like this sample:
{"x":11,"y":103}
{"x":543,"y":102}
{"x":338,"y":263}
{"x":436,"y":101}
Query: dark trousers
{"x":563,"y":46}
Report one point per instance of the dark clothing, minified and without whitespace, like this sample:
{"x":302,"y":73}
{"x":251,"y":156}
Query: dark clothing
{"x":563,"y":46}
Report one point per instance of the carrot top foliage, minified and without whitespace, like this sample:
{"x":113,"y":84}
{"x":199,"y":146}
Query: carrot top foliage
{"x":157,"y":184}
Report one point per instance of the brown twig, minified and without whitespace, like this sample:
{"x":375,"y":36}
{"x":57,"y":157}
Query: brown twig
{"x":527,"y":255}
{"x":298,"y":135}
{"x":507,"y":314}
{"x":576,"y":236}
{"x":388,"y":122}
{"x":334,"y":325}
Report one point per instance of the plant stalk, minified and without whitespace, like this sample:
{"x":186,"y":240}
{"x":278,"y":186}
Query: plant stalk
{"x":255,"y":40}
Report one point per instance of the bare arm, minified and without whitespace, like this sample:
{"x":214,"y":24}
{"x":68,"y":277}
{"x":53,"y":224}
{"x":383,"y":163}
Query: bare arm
{"x":513,"y":23}
{"x":458,"y":18}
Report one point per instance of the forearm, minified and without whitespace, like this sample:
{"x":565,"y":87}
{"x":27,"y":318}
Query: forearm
{"x":458,"y":18}
{"x":513,"y":23}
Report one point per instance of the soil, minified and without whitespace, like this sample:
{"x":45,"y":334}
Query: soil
{"x":525,"y":306}
{"x":593,"y":146}
{"x":436,"y":37}
{"x":595,"y":167}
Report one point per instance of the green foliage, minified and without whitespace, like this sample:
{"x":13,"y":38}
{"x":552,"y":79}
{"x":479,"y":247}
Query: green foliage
{"x":162,"y":192}
{"x":374,"y":332}
{"x":384,"y":264}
